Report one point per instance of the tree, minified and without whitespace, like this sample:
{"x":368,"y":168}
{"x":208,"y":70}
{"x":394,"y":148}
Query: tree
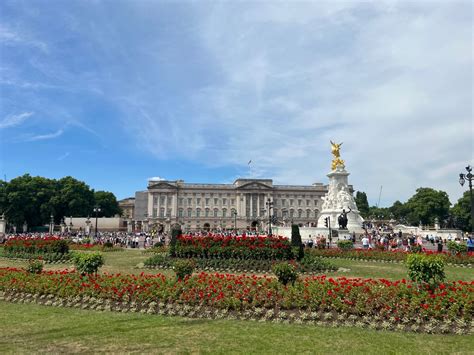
{"x":461,"y":212}
{"x":108,"y":204}
{"x":296,"y":243}
{"x":362,"y":203}
{"x":379,"y":213}
{"x":399,"y":211}
{"x":74,"y":198}
{"x":29,"y":199}
{"x":426,"y":205}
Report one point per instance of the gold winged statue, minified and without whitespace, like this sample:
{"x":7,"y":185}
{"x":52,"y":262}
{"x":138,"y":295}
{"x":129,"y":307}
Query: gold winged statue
{"x":336,"y":161}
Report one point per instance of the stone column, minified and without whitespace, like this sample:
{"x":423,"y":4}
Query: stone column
{"x":174,"y":211}
{"x":129,"y":226}
{"x":149,"y":211}
{"x":258,"y":205}
{"x":3,"y":224}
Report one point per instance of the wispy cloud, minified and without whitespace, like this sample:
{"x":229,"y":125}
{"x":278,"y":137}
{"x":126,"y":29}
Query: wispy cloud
{"x":15,"y":120}
{"x":64,"y":156}
{"x":40,"y":137}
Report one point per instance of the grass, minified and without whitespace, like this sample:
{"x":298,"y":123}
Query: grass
{"x":126,"y":262}
{"x":26,"y":328}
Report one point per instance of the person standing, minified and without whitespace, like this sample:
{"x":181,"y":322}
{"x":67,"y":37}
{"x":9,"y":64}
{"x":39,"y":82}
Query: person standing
{"x":470,"y":243}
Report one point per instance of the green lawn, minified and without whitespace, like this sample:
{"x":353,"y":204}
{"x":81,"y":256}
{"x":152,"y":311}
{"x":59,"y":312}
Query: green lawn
{"x":126,"y":262}
{"x":29,"y":328}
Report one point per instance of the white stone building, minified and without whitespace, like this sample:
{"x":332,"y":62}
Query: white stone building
{"x":242,"y":205}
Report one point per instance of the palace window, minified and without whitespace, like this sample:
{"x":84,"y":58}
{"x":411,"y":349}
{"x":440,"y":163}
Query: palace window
{"x":299,"y":202}
{"x":215,"y":212}
{"x":198,"y":212}
{"x":154,"y":212}
{"x":198,"y":201}
{"x":216,"y":201}
{"x":155,"y":200}
{"x":300,"y":214}
{"x":162,"y":200}
{"x":308,"y":202}
{"x":308,"y":213}
{"x":207,"y":201}
{"x":190,"y":212}
{"x":190,"y":201}
{"x":224,"y":201}
{"x":292,"y":213}
{"x":207,"y":212}
{"x":224,"y":213}
{"x":180,"y":213}
{"x":162,"y":212}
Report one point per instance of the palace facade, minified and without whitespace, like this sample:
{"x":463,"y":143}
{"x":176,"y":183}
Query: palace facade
{"x":243,"y":205}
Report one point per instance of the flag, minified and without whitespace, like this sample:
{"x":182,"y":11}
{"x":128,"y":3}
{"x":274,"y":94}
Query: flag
{"x":249,"y":162}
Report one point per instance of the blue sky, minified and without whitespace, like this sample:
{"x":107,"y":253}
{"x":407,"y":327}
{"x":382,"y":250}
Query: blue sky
{"x":116,"y":92}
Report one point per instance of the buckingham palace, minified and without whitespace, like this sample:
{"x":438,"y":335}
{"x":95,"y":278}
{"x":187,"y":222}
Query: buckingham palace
{"x":245,"y":204}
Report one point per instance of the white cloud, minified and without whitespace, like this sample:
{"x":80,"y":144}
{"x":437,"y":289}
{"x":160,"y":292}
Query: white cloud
{"x":64,"y":156}
{"x":40,"y":137}
{"x":156,"y":178}
{"x":15,"y":120}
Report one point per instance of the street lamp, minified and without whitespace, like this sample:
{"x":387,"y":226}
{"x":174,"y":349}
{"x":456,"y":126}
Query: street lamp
{"x":462,"y":179}
{"x":51,"y":224}
{"x":96,"y":210}
{"x":269,"y":205}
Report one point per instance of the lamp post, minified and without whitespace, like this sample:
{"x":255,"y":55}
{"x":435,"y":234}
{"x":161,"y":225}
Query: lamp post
{"x":51,"y":224}
{"x":96,"y":210}
{"x":269,"y":205}
{"x":462,"y":179}
{"x":234,"y":214}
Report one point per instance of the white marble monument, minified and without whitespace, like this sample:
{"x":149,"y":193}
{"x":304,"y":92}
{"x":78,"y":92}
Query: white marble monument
{"x":339,"y":199}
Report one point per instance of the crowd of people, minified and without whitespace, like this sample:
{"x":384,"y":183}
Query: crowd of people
{"x":378,"y":237}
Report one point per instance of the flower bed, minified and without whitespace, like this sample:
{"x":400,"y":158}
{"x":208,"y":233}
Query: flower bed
{"x":51,"y":249}
{"x":306,"y":265}
{"x":241,"y":247}
{"x":466,"y":259}
{"x":373,"y":302}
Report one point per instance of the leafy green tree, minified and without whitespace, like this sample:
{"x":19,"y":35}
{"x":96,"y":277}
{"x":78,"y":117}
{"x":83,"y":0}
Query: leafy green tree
{"x":461,"y":212}
{"x":379,"y":213}
{"x":399,"y":211}
{"x":29,"y":199}
{"x":74,"y":198}
{"x":362,"y":203}
{"x":426,"y":205}
{"x":108,"y":204}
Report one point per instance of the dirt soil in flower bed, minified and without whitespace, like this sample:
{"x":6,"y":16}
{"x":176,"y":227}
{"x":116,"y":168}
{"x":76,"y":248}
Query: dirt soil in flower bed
{"x":377,"y":304}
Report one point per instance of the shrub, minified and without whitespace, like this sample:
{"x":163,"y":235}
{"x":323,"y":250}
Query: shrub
{"x":108,"y":245}
{"x":416,"y":248}
{"x":183,"y":268}
{"x":175,"y":233}
{"x":35,"y":266}
{"x":345,"y":244}
{"x":285,"y":273}
{"x":456,"y":248}
{"x":296,"y":243}
{"x":426,"y":269}
{"x":321,"y":243}
{"x":88,"y":263}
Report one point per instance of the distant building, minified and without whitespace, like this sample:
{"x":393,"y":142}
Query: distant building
{"x":128,"y":207}
{"x":242,"y":205}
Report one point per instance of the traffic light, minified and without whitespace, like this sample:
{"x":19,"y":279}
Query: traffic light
{"x":326,"y":222}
